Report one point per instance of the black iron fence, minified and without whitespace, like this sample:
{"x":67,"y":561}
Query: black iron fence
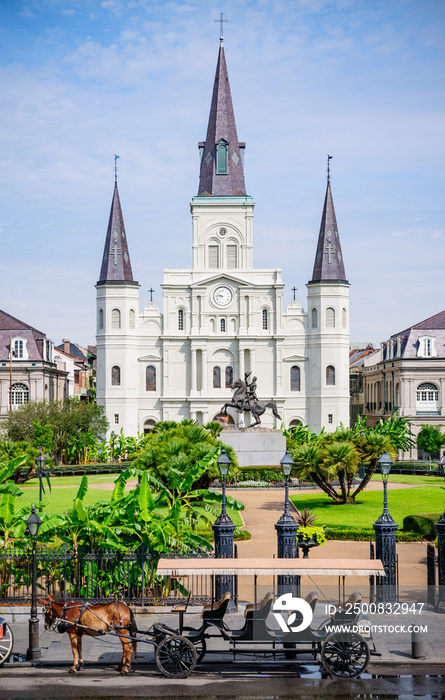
{"x":97,"y":575}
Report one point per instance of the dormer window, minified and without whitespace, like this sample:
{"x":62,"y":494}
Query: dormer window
{"x":18,"y":349}
{"x":222,"y":148}
{"x":427,"y":347}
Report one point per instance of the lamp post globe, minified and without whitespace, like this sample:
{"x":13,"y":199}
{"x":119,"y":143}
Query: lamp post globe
{"x":33,"y":652}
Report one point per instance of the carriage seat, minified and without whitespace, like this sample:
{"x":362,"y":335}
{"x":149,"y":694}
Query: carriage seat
{"x":341,"y":613}
{"x":216,"y":611}
{"x":259,"y":609}
{"x":312,"y":598}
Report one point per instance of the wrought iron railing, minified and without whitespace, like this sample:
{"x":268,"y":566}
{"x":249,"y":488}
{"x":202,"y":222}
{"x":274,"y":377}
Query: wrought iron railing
{"x":97,"y":575}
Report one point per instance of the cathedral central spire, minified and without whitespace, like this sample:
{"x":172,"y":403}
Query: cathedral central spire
{"x":222,"y":173}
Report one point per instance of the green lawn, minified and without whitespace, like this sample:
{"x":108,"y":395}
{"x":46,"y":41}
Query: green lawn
{"x":403,"y":502}
{"x":411,"y":479}
{"x":61,"y":499}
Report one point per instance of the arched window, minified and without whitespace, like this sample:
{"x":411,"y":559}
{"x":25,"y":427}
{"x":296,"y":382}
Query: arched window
{"x":148,"y":426}
{"x":330,"y":317}
{"x":232,"y":256}
{"x":427,"y":396}
{"x":19,"y":394}
{"x":101,"y":319}
{"x":221,"y":157}
{"x":131,"y":319}
{"x":180,"y":320}
{"x":216,"y":378}
{"x":330,"y":375}
{"x":150,"y":378}
{"x":265,"y":320}
{"x":295,"y":378}
{"x":314,"y":318}
{"x":229,"y":377}
{"x":223,"y":325}
{"x":344,"y":318}
{"x":115,"y":319}
{"x":116,"y":375}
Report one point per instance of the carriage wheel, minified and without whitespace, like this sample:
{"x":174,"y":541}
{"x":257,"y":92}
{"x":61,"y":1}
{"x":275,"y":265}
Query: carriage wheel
{"x":344,"y":655}
{"x":200,"y":648}
{"x":6,"y":642}
{"x":176,"y":657}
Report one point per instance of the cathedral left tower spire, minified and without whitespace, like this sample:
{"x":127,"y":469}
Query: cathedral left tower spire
{"x":116,"y":265}
{"x":117,"y":308}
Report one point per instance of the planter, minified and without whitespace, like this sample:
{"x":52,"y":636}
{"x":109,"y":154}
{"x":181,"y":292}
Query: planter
{"x":306,"y":545}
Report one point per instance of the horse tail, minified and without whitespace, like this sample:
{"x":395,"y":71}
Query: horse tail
{"x":273,"y":406}
{"x":133,"y":630}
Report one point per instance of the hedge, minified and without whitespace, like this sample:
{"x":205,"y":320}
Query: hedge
{"x":362,"y":534}
{"x":422,"y":524}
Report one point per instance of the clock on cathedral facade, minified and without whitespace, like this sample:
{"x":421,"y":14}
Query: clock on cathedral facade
{"x":222,"y":318}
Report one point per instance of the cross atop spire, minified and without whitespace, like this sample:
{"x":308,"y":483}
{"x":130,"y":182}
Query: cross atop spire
{"x":116,"y":265}
{"x":221,"y":21}
{"x":222,"y":173}
{"x":328,"y":264}
{"x":328,"y":169}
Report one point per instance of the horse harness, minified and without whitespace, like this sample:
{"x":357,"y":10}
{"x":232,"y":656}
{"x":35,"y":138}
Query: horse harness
{"x":64,"y":625}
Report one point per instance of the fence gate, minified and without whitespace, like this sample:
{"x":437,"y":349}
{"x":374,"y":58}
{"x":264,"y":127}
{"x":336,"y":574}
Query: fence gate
{"x":431,"y":574}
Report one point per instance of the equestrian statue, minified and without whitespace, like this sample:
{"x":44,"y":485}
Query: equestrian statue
{"x":245,"y":399}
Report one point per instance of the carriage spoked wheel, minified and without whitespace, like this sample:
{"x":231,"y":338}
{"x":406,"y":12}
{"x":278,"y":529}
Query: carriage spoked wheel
{"x":175,"y":657}
{"x":6,"y":642}
{"x":201,"y":648}
{"x":344,"y":654}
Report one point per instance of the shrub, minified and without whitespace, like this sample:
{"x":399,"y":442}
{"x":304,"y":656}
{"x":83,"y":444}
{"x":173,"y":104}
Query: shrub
{"x":358,"y":534}
{"x":422,"y":524}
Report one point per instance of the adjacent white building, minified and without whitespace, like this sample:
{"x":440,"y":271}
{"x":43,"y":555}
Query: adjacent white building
{"x":222,"y":318}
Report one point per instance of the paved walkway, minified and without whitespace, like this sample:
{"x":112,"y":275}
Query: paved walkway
{"x":264,"y":507}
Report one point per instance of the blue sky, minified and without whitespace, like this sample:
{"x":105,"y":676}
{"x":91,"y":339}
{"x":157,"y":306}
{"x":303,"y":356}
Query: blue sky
{"x":362,"y":80}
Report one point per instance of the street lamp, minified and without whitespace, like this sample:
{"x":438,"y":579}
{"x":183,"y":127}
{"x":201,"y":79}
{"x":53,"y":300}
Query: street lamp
{"x":440,"y":528}
{"x":223,"y":529}
{"x":33,"y":651}
{"x":385,"y":537}
{"x":287,"y":529}
{"x":40,"y":462}
{"x":112,"y":437}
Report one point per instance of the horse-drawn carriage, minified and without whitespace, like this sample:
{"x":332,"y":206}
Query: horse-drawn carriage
{"x":275,"y":627}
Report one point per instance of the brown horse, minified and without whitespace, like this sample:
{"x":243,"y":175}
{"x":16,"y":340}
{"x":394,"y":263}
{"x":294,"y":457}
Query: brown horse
{"x":83,"y":618}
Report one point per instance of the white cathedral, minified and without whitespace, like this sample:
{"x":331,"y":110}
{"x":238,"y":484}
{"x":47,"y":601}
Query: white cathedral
{"x":222,"y":318}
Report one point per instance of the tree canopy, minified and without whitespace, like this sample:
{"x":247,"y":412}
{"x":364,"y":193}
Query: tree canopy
{"x":331,"y":459}
{"x":430,"y":439}
{"x":57,"y":427}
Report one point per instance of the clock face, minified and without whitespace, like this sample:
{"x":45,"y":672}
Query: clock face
{"x":222,"y":296}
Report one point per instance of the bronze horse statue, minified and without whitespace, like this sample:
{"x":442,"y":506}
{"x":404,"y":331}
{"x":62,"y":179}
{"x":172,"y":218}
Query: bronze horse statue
{"x":83,"y":618}
{"x":245,"y":399}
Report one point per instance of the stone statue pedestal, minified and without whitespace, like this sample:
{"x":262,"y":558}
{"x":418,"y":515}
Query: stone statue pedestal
{"x":256,"y":447}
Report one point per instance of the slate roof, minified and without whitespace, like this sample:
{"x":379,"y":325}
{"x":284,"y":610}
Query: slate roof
{"x":436,"y":322}
{"x":328,"y":258}
{"x":11,"y":327}
{"x":74,"y":351}
{"x":357,"y":357}
{"x":116,"y":265}
{"x":221,"y":126}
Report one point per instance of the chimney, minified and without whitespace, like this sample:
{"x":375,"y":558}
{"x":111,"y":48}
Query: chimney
{"x":66,"y":346}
